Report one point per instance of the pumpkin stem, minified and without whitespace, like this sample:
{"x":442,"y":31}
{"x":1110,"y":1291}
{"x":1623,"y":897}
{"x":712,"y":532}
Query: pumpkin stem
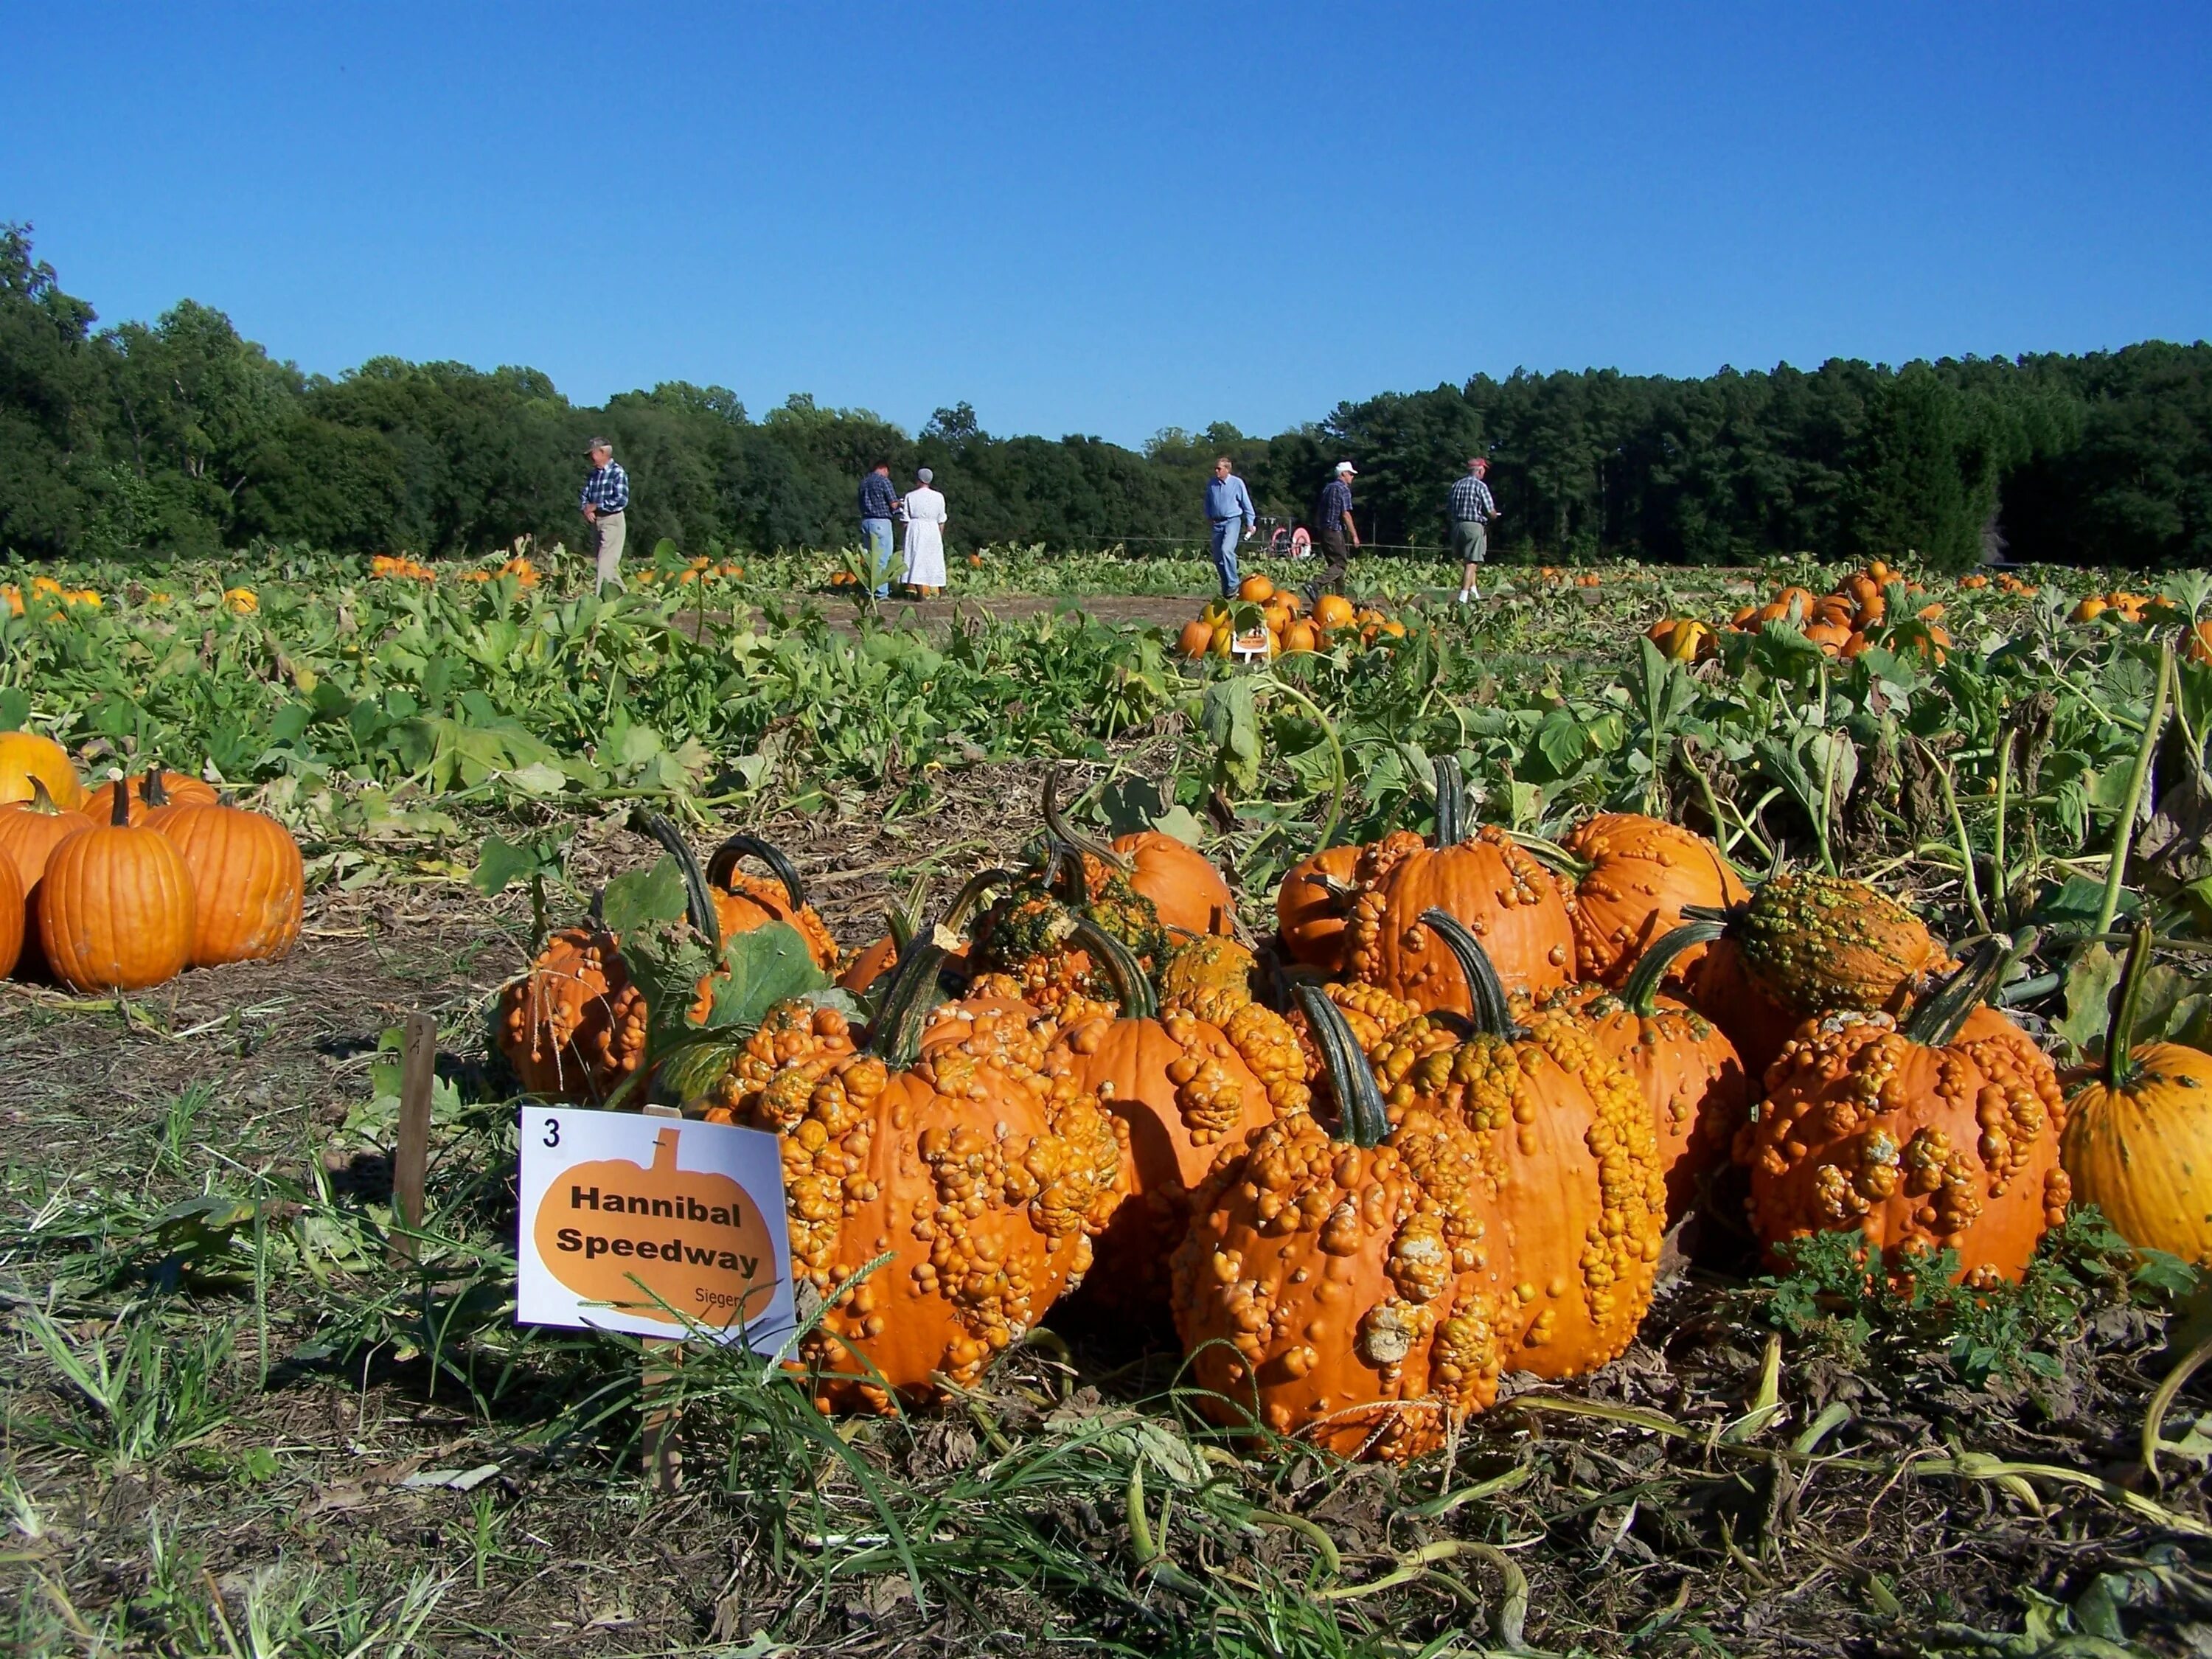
{"x":1451,"y":801}
{"x":41,"y":801}
{"x":698,"y":898}
{"x":1640,"y":994}
{"x":1131,"y":988}
{"x":971,"y":895}
{"x":118,"y":810}
{"x":1361,"y":1117}
{"x":903,"y":1011}
{"x":1490,"y":1013}
{"x":724,"y":864}
{"x":151,"y":794}
{"x":1062,"y":830}
{"x":1550,"y":854}
{"x":1936,"y":1020}
{"x":2120,"y":1067}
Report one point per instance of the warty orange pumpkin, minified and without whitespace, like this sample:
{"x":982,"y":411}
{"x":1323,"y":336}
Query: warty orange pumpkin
{"x":573,"y":1025}
{"x":1939,"y":1133}
{"x":1635,"y":878}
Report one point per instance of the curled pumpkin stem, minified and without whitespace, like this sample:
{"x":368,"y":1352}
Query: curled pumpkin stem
{"x":698,"y":898}
{"x":724,"y":863}
{"x":1057,"y":827}
{"x":1640,"y":995}
{"x":1131,"y":988}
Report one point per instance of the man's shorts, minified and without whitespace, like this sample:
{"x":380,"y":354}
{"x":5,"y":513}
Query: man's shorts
{"x":1470,"y":542}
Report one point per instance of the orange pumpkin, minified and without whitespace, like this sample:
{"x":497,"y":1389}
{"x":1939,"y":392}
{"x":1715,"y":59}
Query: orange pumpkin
{"x":1485,"y":881}
{"x":1940,"y":1132}
{"x":115,"y":907}
{"x":1691,"y":1075}
{"x":151,"y":790}
{"x":1181,"y":881}
{"x":744,"y":903}
{"x":876,"y":960}
{"x":1196,"y":638}
{"x":1637,"y":877}
{"x":662,"y":1268}
{"x":938,"y":1140}
{"x":1333,"y":610}
{"x":1300,"y":636}
{"x":1186,"y":1098}
{"x":572,"y":1026}
{"x":31,"y":830}
{"x":11,"y":916}
{"x":1311,"y":904}
{"x":32,"y":756}
{"x":247,"y":881}
{"x":1258,"y":589}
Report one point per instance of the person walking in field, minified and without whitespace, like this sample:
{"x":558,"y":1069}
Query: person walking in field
{"x":925,"y":536}
{"x":878,"y":505}
{"x":606,"y":502}
{"x":1472,"y":510}
{"x":1338,"y":535}
{"x":1231,"y":519}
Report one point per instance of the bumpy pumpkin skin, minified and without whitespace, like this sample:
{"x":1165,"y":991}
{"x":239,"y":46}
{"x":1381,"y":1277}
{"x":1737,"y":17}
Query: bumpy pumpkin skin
{"x":115,"y":909}
{"x":1820,"y":944}
{"x":1512,"y":905}
{"x":1186,"y":1099}
{"x":1181,"y":881}
{"x":574,"y":1026}
{"x":1642,"y":873}
{"x":1309,"y":918}
{"x":1690,"y":1075}
{"x":1725,"y":992}
{"x":247,"y":881}
{"x":1570,"y":1172}
{"x":11,"y":917}
{"x":744,"y":902}
{"x":1343,"y":1294}
{"x":28,"y":755}
{"x":1915,"y":1147}
{"x":982,"y":1177}
{"x":2141,"y":1152}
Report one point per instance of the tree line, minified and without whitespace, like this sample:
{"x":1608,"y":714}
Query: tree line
{"x":180,"y":436}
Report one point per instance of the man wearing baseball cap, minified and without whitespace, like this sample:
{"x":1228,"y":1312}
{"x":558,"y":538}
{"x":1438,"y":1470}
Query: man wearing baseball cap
{"x":1332,"y":524}
{"x":606,"y":504}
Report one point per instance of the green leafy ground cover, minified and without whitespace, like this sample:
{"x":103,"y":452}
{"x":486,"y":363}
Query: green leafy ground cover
{"x":233,"y":1424}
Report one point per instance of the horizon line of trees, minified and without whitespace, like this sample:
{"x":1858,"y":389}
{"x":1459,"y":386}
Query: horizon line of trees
{"x":181,"y":437}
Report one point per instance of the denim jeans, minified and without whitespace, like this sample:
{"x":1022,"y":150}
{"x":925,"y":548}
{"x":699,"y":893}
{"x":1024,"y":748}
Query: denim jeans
{"x":876,"y":537}
{"x":1225,"y":535}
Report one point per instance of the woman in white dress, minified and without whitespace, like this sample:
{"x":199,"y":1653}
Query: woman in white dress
{"x":925,"y":536}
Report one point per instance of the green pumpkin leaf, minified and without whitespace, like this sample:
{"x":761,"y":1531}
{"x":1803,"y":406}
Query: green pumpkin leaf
{"x":2089,"y":985}
{"x":768,"y":965}
{"x":1230,"y":718}
{"x":14,"y":708}
{"x":638,"y":897}
{"x":501,"y":863}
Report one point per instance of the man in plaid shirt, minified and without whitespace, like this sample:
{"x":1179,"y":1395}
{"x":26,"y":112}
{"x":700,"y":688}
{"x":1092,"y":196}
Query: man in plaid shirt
{"x":1472,"y":509}
{"x":606,"y":504}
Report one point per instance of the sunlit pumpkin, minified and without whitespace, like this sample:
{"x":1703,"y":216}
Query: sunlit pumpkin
{"x":1635,"y":878}
{"x":115,"y":907}
{"x":28,"y":756}
{"x":247,"y":880}
{"x":2138,"y":1140}
{"x":11,"y":916}
{"x":150,"y":791}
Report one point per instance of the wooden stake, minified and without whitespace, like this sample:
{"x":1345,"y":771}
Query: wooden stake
{"x":663,"y":1458}
{"x":411,"y":1152}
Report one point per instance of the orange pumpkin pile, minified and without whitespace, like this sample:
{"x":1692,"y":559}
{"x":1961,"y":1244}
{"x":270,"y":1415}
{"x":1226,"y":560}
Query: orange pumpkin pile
{"x":125,"y":887}
{"x":1278,"y":621}
{"x":399,"y":567}
{"x":1865,"y":609}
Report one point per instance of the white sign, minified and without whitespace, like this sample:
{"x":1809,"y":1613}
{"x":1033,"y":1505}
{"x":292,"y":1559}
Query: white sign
{"x":654,"y":1225}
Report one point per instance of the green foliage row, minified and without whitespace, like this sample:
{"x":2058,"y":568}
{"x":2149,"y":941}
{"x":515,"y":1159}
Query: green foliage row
{"x":181,"y":436}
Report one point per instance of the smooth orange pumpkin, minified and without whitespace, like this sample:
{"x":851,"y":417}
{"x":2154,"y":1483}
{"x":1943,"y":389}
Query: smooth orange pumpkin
{"x":1258,"y":589}
{"x":247,"y":881}
{"x":150,"y":791}
{"x":11,"y":916}
{"x":1181,"y":881}
{"x":26,"y":756}
{"x":1311,"y":904}
{"x":1333,"y":610}
{"x":1196,"y":638}
{"x":115,"y":907}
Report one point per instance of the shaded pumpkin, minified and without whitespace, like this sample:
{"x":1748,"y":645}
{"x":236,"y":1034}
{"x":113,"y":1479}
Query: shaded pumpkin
{"x":1939,"y":1133}
{"x":1311,"y":906}
{"x":2138,"y":1142}
{"x":29,"y":831}
{"x":115,"y":907}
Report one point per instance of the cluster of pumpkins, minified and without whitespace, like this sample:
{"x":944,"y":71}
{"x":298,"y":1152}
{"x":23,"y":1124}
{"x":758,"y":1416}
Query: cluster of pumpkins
{"x":2137,"y":609}
{"x":1553,"y":576}
{"x":399,"y":567}
{"x":125,"y":886}
{"x":46,"y":591}
{"x":518,"y":567}
{"x":1872,"y":606}
{"x":1266,"y":619}
{"x":1430,"y":1133}
{"x":2006,"y":583}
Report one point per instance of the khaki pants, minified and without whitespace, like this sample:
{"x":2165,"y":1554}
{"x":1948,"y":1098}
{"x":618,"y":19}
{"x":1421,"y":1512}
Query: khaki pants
{"x":607,"y":531}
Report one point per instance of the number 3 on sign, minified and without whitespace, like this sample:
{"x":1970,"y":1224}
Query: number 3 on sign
{"x":657,"y":1227}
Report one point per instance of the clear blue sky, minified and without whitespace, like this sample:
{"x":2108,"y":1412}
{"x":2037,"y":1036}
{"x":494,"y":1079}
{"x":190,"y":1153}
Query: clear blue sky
{"x":1112,"y":218}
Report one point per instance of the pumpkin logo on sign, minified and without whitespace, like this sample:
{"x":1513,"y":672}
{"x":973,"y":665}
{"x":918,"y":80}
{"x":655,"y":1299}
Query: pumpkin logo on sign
{"x":658,"y":1242}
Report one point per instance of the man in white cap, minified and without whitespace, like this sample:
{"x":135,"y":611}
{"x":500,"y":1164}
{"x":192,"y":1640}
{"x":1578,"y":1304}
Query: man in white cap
{"x":1332,"y":524}
{"x":606,"y":507}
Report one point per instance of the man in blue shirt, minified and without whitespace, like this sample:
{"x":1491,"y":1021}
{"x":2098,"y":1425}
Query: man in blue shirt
{"x":878,"y":502}
{"x":1230,"y":515}
{"x":606,"y":502}
{"x":1338,"y":535}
